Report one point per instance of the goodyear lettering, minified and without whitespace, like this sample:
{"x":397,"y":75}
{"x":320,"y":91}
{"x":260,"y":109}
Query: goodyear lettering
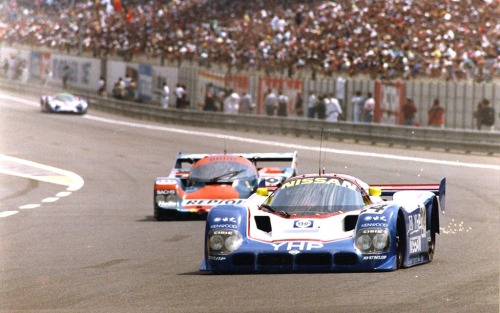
{"x":297,"y":245}
{"x":415,"y":245}
{"x":320,"y":180}
{"x":211,"y":202}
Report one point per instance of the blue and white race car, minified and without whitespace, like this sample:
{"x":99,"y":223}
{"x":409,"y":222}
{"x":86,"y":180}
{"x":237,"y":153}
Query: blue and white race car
{"x":63,"y":103}
{"x":325,"y":223}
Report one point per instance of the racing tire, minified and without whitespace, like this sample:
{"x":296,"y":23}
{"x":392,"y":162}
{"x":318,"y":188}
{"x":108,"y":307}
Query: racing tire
{"x":400,"y":243}
{"x":432,"y":246}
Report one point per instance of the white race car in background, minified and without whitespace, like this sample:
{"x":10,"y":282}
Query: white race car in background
{"x":63,"y":103}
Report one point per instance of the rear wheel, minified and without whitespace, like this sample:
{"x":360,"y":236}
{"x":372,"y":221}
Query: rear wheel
{"x":432,"y":246}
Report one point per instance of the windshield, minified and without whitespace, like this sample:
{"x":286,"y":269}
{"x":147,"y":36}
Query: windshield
{"x":317,"y":195}
{"x":222,"y":172}
{"x":65,"y":97}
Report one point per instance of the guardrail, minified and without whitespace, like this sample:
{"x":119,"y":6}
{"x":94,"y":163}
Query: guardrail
{"x":464,"y":141}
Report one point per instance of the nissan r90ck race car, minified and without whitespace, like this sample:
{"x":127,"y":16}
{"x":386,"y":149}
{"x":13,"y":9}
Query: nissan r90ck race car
{"x":325,"y":223}
{"x":197,"y":182}
{"x":63,"y":103}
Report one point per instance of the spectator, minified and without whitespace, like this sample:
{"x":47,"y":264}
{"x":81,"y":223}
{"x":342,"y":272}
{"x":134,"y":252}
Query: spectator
{"x":477,"y":114}
{"x":333,"y":109}
{"x":282,"y":104}
{"x":358,"y":102}
{"x":209,"y":102}
{"x":165,"y":95}
{"x":436,"y":115}
{"x":487,"y":113}
{"x":299,"y":104}
{"x":101,"y":91}
{"x":368,"y":108}
{"x":48,"y":77}
{"x":65,"y":78}
{"x":232,"y":103}
{"x":271,"y":102}
{"x":247,"y":104}
{"x":179,"y":96}
{"x":311,"y":105}
{"x":321,"y":107}
{"x":119,"y":89}
{"x":409,"y":110}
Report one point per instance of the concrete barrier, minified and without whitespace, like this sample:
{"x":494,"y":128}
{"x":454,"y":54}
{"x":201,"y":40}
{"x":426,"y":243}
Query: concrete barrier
{"x":459,"y":140}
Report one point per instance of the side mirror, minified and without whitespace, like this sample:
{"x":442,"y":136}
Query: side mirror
{"x":374,"y":191}
{"x":264,"y":192}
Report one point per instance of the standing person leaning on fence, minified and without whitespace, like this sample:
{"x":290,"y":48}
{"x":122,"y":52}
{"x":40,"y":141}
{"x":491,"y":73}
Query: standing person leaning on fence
{"x":436,"y":115}
{"x":368,"y":108}
{"x":487,"y":116}
{"x":299,"y":105}
{"x":409,"y":110}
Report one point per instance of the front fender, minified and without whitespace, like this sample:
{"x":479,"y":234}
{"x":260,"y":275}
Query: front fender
{"x":224,"y":217}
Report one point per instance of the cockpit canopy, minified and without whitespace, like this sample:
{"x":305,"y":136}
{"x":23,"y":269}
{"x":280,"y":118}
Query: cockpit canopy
{"x":222,"y":169}
{"x":317,"y":195}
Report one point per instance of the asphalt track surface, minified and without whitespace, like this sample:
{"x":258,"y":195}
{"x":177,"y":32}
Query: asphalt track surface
{"x":94,"y":246}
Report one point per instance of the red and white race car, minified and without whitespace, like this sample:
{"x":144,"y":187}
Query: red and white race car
{"x":197,"y":182}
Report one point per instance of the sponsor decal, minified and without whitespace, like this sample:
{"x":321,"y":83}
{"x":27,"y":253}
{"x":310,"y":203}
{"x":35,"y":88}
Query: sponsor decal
{"x":165,"y":192}
{"x":216,"y":258}
{"x":222,"y":158}
{"x":232,"y":226}
{"x":231,"y":219}
{"x":384,"y":225}
{"x":164,"y":204}
{"x":211,"y":202}
{"x":372,"y":231}
{"x":320,"y":180}
{"x":375,"y":257}
{"x":415,"y":245}
{"x":368,"y":218}
{"x":418,"y":222}
{"x":166,"y":182}
{"x":303,"y":224}
{"x":294,"y":246}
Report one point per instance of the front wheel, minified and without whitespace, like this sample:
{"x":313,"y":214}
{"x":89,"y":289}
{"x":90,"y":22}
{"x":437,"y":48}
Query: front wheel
{"x":400,"y":244}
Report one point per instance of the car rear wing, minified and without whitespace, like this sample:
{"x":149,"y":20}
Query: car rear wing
{"x":286,"y":161}
{"x":387,"y":191}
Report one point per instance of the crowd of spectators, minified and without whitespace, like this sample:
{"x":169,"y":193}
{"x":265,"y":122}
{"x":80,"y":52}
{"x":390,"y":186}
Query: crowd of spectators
{"x":385,"y":39}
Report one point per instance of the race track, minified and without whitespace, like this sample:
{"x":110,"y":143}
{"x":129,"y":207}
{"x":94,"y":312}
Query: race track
{"x":77,"y":232}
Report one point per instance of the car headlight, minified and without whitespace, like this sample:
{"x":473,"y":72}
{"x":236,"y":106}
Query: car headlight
{"x":222,"y":241}
{"x":364,"y":242}
{"x":160,"y":198}
{"x":166,"y":198}
{"x":373,"y":240}
{"x":216,"y":242}
{"x":380,"y":241}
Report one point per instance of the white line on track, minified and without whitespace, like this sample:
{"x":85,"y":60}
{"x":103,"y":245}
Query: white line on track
{"x":293,"y":146}
{"x":24,"y":168}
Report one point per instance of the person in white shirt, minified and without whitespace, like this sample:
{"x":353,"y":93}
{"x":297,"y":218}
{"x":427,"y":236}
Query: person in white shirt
{"x":333,"y":110}
{"x":232,"y":103}
{"x":165,"y":97}
{"x":368,"y":109}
